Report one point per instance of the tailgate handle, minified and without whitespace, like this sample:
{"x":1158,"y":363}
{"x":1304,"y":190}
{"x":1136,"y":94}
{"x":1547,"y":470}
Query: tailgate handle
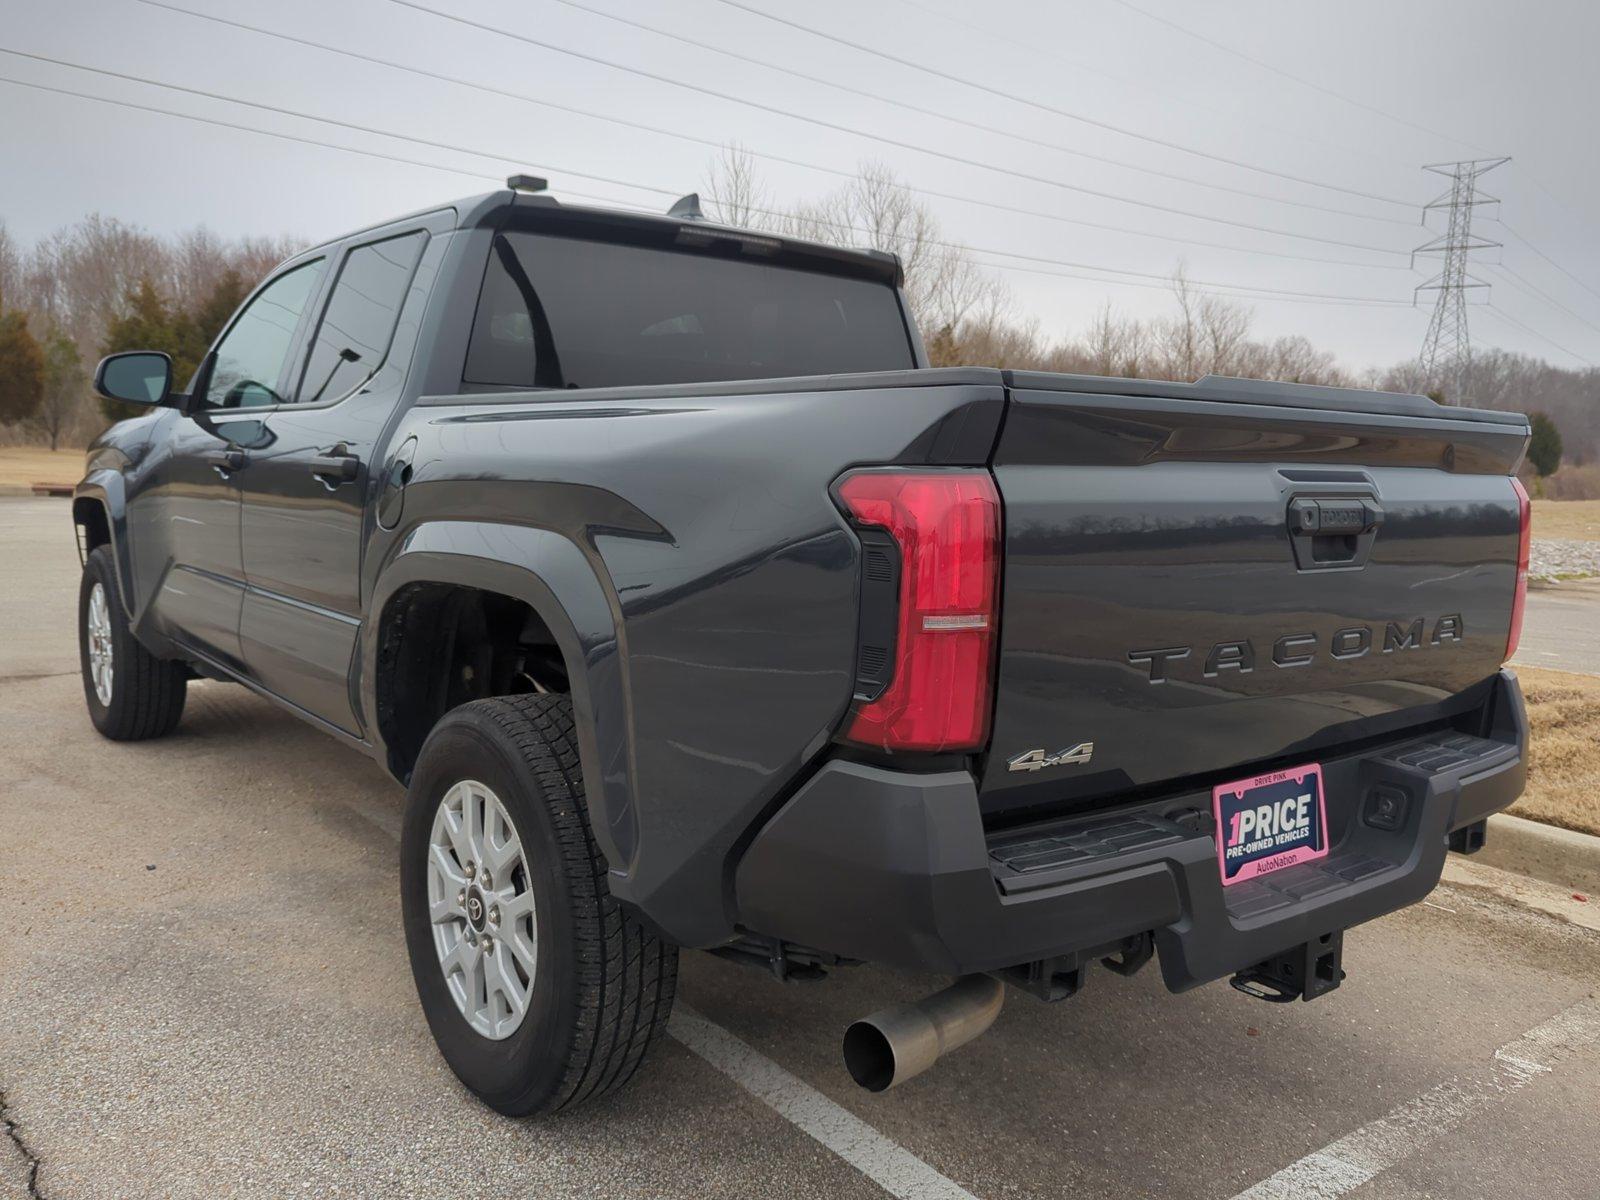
{"x":1329,"y":532}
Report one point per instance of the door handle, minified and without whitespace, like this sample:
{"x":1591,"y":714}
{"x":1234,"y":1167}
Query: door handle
{"x":1334,"y":531}
{"x":337,"y":466}
{"x":228,"y":460}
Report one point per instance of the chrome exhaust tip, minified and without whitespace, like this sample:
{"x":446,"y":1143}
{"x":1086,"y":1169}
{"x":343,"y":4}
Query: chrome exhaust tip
{"x":889,"y":1047}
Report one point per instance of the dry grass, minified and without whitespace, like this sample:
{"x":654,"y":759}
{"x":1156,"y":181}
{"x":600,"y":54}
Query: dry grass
{"x":1564,"y":765}
{"x":1577,"y":519}
{"x":23,"y":466}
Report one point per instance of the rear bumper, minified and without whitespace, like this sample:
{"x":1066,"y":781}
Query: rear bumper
{"x":897,"y":868}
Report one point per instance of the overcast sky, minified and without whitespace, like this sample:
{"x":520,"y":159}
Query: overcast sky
{"x":1378,"y":88}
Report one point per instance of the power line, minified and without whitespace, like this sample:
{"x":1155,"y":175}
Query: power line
{"x":1285,"y":293}
{"x":1527,"y":286}
{"x":1546,"y":257}
{"x":1270,"y":291}
{"x":183,"y":116}
{"x":490,"y":89}
{"x":1277,"y":70}
{"x":1143,"y":82}
{"x":305,"y":141}
{"x":1206,"y":287}
{"x":1510,"y":320}
{"x":943,"y":154}
{"x":1060,"y":112}
{"x":1571,"y":209}
{"x":954,"y":118}
{"x":289,"y":112}
{"x":1234,"y":291}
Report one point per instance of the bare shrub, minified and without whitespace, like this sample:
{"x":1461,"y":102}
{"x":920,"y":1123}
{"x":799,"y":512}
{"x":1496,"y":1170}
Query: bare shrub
{"x":1572,"y":483}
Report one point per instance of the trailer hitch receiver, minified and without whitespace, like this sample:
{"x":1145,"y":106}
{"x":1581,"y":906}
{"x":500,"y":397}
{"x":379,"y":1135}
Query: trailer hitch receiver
{"x":1301,"y":973}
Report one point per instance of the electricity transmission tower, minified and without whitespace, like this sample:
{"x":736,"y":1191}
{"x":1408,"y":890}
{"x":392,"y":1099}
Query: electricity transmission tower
{"x":1446,"y":359}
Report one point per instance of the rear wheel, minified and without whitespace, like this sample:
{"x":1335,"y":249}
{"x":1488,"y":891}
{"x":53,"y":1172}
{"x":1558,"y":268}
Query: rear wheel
{"x":132,"y":695}
{"x":541,"y":991}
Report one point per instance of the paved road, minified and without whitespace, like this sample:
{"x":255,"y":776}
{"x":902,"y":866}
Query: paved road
{"x":1562,"y":628}
{"x":206,"y":994}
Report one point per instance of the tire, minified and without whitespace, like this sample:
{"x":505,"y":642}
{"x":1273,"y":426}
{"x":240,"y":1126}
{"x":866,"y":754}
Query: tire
{"x":143,"y":697}
{"x":601,"y":988}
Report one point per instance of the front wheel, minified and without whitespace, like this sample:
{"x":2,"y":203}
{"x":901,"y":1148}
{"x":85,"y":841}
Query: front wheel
{"x":541,"y":991}
{"x":132,"y":695}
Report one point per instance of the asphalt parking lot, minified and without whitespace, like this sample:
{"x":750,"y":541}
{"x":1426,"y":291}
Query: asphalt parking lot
{"x":205,"y":993}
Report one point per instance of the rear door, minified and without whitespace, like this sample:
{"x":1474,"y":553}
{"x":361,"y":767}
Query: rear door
{"x":1217,"y":577}
{"x":307,"y":493}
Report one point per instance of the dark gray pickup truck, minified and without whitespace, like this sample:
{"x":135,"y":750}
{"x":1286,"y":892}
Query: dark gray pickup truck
{"x":694,"y":610}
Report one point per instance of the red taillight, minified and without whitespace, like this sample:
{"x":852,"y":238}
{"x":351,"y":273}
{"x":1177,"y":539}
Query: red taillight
{"x":1520,"y":600}
{"x":947,"y":527}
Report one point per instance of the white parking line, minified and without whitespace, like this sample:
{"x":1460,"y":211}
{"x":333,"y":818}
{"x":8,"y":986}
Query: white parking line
{"x":1354,"y":1159}
{"x":891,"y":1167}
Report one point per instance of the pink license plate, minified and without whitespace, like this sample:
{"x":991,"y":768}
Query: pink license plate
{"x":1270,"y":822}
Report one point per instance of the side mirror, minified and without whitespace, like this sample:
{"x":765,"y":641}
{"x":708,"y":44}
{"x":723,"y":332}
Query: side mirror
{"x":136,"y":377}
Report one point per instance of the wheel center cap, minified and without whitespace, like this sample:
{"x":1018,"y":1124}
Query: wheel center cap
{"x":476,"y":910}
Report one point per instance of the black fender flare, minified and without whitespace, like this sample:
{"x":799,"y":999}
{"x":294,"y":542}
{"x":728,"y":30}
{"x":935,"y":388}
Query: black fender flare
{"x":106,"y":488}
{"x":552,"y":575}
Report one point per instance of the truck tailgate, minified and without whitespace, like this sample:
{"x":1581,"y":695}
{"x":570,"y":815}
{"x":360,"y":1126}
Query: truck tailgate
{"x":1203,"y":579}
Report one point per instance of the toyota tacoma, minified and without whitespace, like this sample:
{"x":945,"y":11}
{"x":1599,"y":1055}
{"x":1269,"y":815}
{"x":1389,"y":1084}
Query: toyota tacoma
{"x":693,"y":609}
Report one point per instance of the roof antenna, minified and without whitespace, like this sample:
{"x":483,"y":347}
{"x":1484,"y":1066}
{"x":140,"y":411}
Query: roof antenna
{"x":687,"y":208}
{"x":527,"y":183}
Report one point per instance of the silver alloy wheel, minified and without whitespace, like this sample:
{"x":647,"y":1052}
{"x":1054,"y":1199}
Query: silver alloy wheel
{"x":100,"y":656}
{"x":480,"y":901}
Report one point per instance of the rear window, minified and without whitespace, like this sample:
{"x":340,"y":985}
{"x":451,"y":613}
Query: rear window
{"x":353,"y":339}
{"x":563,"y":312}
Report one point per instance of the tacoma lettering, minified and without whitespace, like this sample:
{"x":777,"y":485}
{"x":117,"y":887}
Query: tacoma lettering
{"x":1301,"y":649}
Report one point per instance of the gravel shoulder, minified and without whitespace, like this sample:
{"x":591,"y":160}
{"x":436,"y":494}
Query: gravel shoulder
{"x":1556,"y":559}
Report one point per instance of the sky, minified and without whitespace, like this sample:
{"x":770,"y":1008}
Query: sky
{"x":1080,"y":148}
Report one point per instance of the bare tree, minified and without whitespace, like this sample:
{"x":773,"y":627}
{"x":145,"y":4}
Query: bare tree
{"x":77,"y":282}
{"x":734,"y":194}
{"x":1224,"y":335}
{"x":1178,"y":337}
{"x":945,"y":287}
{"x":1109,"y":345}
{"x":78,"y":278}
{"x":10,"y":268}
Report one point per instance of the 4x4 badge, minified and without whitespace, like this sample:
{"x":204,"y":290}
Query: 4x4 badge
{"x":1038,"y":760}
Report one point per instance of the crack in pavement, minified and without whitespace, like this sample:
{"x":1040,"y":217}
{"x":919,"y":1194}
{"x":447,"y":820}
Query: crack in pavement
{"x":39,"y":675}
{"x":14,"y":1132}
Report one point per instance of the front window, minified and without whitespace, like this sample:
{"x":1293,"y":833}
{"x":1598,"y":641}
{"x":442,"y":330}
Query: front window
{"x":252,"y":355}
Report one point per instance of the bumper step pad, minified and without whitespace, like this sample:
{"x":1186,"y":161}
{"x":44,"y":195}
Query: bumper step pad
{"x":1071,"y":843}
{"x":1246,"y":901}
{"x":1447,"y":752}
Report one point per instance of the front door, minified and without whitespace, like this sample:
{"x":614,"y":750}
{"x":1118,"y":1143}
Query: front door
{"x":186,"y":519}
{"x":305,"y":498}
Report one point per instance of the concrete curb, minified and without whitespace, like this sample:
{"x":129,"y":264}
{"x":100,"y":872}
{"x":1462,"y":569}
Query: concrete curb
{"x":1560,"y":856}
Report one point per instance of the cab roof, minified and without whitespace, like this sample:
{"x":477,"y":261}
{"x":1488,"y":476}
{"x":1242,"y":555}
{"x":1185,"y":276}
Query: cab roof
{"x":509,"y":208}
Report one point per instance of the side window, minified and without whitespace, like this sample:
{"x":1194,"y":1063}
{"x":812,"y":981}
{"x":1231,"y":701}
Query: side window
{"x":353,"y":338}
{"x":503,"y":350}
{"x":252,"y":354}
